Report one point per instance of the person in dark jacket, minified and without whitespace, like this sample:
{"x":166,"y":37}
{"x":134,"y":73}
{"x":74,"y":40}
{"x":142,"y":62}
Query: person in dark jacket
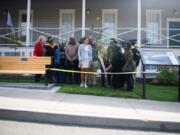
{"x":117,"y":63}
{"x":136,"y":54}
{"x":57,"y":61}
{"x":129,"y":66}
{"x":63,"y":75}
{"x":136,"y":57}
{"x":50,"y":47}
{"x":50,"y":53}
{"x":39,"y":51}
{"x":110,"y":50}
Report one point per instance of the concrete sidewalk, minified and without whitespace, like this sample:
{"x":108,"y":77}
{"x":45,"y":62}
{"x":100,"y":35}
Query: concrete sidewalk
{"x":46,"y":107}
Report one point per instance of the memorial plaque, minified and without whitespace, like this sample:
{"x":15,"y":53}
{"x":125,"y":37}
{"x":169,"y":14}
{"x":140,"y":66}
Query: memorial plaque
{"x":24,"y":59}
{"x":159,"y":57}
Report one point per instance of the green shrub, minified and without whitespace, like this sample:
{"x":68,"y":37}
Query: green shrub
{"x":167,"y":77}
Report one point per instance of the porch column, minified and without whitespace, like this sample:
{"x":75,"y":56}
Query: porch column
{"x":28,"y":22}
{"x":139,"y":23}
{"x":83,"y":17}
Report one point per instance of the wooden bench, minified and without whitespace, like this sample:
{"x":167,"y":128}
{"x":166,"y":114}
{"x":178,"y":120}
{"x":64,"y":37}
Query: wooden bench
{"x":24,"y":65}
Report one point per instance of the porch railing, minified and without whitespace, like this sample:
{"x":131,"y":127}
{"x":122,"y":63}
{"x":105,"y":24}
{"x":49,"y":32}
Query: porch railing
{"x":17,"y":36}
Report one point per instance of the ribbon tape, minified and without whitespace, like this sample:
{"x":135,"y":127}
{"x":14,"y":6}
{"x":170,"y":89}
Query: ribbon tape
{"x":96,"y":73}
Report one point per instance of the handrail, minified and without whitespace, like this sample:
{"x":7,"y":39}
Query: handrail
{"x":100,"y":28}
{"x":102,"y":37}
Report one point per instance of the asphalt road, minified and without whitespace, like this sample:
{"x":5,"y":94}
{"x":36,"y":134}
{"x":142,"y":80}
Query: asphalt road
{"x":23,"y":128}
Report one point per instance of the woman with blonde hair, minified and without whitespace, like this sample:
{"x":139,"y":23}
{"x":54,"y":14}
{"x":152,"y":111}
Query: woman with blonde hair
{"x":39,"y":47}
{"x":101,"y":56}
{"x":39,"y":51}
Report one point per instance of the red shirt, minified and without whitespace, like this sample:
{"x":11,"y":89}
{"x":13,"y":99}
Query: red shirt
{"x":38,"y":49}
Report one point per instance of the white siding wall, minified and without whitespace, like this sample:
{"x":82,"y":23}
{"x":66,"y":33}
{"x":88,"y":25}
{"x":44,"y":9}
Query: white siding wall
{"x":46,"y":12}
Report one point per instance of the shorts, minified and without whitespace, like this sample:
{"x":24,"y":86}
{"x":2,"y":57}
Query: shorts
{"x":84,"y":64}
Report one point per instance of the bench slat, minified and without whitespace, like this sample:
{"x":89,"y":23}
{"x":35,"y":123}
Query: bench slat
{"x":21,"y":72}
{"x":23,"y":65}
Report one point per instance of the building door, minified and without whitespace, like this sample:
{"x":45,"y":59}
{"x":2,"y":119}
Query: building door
{"x":23,"y":24}
{"x":67,"y":23}
{"x":174,"y":32}
{"x":109,"y":24}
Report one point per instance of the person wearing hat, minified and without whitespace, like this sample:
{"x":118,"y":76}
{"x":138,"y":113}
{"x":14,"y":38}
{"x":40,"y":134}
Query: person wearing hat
{"x":50,"y":51}
{"x":50,"y":47}
{"x":110,"y":50}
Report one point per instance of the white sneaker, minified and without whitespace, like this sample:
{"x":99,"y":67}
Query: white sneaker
{"x":85,"y":85}
{"x":82,"y":84}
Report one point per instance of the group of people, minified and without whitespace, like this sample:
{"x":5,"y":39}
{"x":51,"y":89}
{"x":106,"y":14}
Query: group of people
{"x":86,"y":56}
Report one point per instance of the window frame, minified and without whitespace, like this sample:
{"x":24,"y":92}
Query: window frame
{"x":63,"y":11}
{"x":24,"y":11}
{"x":114,"y":11}
{"x":168,"y":21}
{"x":159,"y":12}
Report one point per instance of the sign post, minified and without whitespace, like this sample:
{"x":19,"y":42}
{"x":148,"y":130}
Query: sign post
{"x":144,"y":82}
{"x":179,"y":85}
{"x":158,"y":58}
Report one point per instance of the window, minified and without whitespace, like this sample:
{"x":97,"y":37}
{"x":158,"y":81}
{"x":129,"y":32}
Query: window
{"x":153,"y":25}
{"x":22,"y":23}
{"x":12,"y":54}
{"x":67,"y":23}
{"x":150,"y":68}
{"x":109,"y":23}
{"x":173,"y":26}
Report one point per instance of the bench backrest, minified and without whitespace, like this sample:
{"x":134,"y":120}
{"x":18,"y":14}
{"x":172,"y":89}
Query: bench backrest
{"x":26,"y":65}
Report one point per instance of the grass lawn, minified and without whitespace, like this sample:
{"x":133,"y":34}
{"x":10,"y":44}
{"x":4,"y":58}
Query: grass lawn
{"x":154,"y":92}
{"x":161,"y":93}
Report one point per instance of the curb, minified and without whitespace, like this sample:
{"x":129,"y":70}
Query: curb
{"x":51,"y":118}
{"x":27,"y":86}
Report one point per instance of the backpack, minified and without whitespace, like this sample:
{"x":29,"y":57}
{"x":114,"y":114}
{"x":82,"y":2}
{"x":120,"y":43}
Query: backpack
{"x":136,"y":56}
